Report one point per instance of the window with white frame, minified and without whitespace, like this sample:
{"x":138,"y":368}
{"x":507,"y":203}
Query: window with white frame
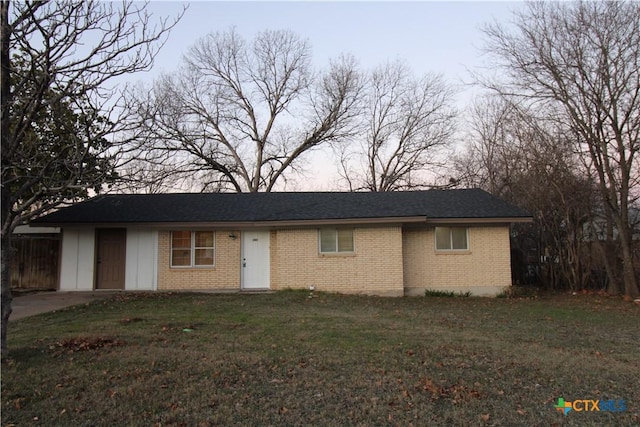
{"x":336,"y":240}
{"x":452,"y":239}
{"x":192,"y":248}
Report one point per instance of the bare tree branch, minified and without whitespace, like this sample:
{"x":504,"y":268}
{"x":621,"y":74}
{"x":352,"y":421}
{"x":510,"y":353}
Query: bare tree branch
{"x":582,"y":60}
{"x":406,"y":121}
{"x":247,"y":113}
{"x":523,"y":156}
{"x":64,"y":123}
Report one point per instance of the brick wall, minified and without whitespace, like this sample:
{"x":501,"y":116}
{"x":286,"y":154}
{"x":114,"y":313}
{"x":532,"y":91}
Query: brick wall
{"x":374,"y":268}
{"x":485,"y":269}
{"x":225,"y":274}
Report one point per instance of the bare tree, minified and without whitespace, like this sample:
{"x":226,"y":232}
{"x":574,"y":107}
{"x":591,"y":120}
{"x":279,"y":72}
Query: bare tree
{"x":242,"y":115}
{"x":61,"y":109}
{"x":524,"y":157}
{"x":583,"y":60}
{"x":406,"y":120}
{"x":492,"y":148}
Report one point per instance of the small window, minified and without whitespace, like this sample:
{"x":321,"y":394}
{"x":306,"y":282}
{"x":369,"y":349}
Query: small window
{"x":336,"y":240}
{"x":452,"y":239}
{"x":192,"y":248}
{"x":180,"y":248}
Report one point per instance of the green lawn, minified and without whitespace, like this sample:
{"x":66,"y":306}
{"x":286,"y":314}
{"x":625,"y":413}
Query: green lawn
{"x":288,"y":359}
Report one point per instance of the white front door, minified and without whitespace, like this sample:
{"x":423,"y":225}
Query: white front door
{"x":255,"y":260}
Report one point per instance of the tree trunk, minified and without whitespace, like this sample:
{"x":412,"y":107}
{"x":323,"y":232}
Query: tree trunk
{"x":5,"y":88}
{"x":628,"y":270}
{"x":606,"y":249}
{"x":6,"y":288}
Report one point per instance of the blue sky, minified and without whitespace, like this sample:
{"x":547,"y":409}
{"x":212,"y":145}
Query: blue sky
{"x":441,"y":37}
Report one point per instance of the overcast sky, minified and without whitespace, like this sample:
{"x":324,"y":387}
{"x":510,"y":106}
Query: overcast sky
{"x":442,"y":37}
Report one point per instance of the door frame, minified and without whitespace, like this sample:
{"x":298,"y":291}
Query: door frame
{"x":266,"y":254}
{"x":96,"y":280}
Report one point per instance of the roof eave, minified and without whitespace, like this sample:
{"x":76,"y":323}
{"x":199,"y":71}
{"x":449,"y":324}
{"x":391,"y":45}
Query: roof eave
{"x":245,"y":224}
{"x":494,"y":220}
{"x":295,"y":223}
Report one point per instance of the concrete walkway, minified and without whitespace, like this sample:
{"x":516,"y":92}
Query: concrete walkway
{"x":42,"y":302}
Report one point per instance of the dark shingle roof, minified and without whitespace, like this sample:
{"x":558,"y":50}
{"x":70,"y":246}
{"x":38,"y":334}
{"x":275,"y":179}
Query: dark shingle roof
{"x":303,"y":206}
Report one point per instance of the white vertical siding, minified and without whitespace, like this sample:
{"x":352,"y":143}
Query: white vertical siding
{"x":77,"y":259}
{"x":142,"y":253}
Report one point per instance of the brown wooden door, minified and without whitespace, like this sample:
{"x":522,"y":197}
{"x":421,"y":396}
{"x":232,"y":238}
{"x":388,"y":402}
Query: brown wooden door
{"x":111,"y":258}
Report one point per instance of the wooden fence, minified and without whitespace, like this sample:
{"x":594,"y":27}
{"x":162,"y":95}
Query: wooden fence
{"x":36,"y":262}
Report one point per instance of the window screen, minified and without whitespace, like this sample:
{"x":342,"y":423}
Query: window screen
{"x":192,"y":248}
{"x":336,"y":240}
{"x":452,"y":238}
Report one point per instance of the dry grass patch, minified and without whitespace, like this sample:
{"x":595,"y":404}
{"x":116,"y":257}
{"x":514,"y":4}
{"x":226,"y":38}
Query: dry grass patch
{"x":287,"y":359}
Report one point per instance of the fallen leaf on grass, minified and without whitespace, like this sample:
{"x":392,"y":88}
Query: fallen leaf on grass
{"x":18,"y":403}
{"x":73,"y":345}
{"x":428,"y":385}
{"x":128,"y":320}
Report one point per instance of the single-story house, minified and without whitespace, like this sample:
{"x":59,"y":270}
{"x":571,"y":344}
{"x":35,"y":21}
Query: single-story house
{"x":394,"y":243}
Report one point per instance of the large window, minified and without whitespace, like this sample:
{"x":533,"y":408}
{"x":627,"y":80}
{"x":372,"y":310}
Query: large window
{"x":334,"y":240}
{"x":452,"y":239}
{"x":192,"y":248}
